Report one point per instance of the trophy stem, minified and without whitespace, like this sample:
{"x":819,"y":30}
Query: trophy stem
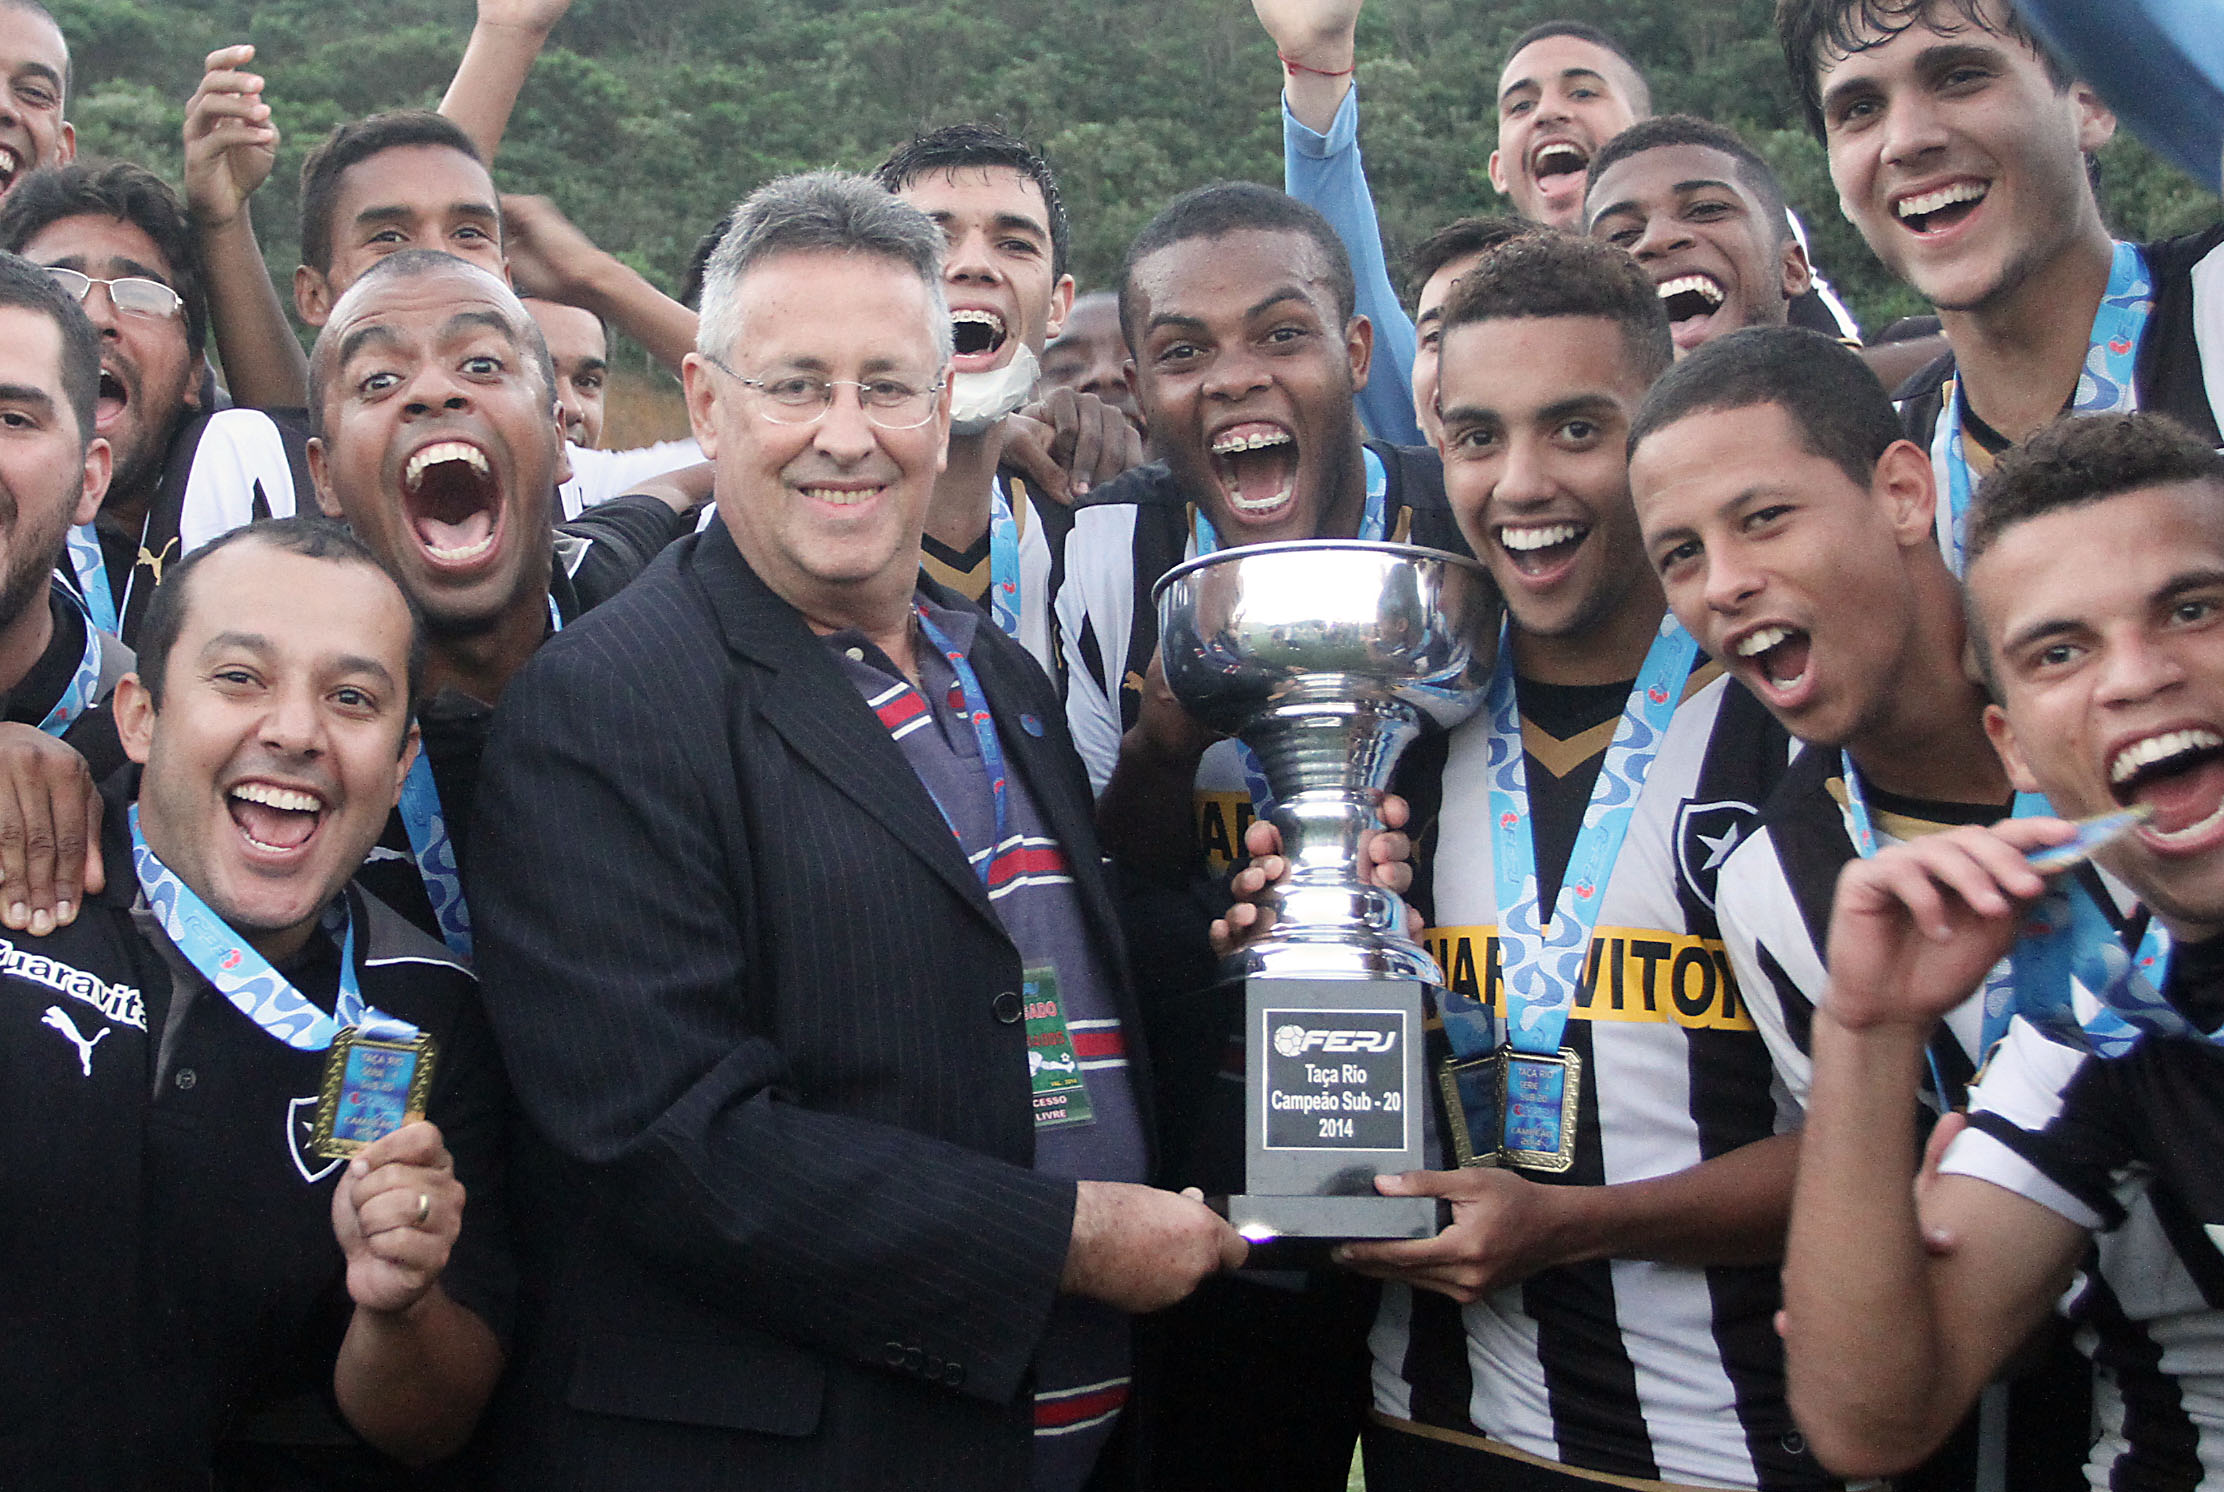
{"x":1327,"y":765}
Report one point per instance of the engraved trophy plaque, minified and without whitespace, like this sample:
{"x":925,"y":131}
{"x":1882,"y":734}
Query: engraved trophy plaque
{"x":1327,"y":659}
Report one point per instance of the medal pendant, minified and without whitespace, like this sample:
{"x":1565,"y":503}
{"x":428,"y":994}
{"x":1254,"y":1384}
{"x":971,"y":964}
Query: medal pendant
{"x":371,"y":1088}
{"x":1471,"y":1092}
{"x":1540,"y":1099}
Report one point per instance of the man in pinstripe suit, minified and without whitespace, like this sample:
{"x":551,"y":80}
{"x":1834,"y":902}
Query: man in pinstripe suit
{"x":796,"y":938}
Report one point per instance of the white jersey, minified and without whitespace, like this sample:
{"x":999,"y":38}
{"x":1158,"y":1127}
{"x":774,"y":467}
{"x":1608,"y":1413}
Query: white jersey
{"x":598,"y":476}
{"x":2125,"y":1146}
{"x":1623,"y":1367}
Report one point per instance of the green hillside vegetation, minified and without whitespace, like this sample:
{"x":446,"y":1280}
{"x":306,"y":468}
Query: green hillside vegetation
{"x":645,"y":118}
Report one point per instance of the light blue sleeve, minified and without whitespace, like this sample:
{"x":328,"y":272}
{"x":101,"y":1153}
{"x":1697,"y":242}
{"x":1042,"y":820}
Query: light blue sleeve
{"x":1325,"y":173}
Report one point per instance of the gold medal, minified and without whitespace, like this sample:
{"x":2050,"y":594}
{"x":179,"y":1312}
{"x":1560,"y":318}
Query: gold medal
{"x":371,"y":1088}
{"x":1539,"y":1101}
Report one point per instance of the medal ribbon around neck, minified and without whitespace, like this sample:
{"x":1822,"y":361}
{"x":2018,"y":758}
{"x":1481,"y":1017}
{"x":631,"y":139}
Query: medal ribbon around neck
{"x":1003,"y":560}
{"x":84,"y":684}
{"x":2105,"y":385}
{"x":91,"y":568}
{"x":245,"y":977}
{"x":1543,"y":961}
{"x":1374,"y":527}
{"x":436,"y":855}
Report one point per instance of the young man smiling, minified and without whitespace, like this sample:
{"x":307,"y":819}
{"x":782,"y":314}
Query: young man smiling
{"x":1565,"y":90}
{"x":2097,"y":1114}
{"x":1599,"y":1308}
{"x":35,"y":73}
{"x":165,"y":1059}
{"x":1791,"y":524}
{"x":1959,"y":149}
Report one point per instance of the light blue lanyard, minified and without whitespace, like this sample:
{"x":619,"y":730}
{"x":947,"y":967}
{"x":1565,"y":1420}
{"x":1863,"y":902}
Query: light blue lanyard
{"x":2105,"y":385}
{"x":1374,"y":527}
{"x":436,"y":855}
{"x":1003,"y":560}
{"x":984,"y":737}
{"x":84,"y":685}
{"x":92,"y":576}
{"x":2067,"y":936}
{"x":245,"y":977}
{"x":1542,"y":963}
{"x":433,"y":846}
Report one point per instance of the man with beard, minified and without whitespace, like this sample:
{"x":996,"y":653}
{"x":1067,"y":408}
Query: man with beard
{"x":1959,"y":148}
{"x":993,"y":536}
{"x":120,"y":240}
{"x":2097,"y":1115}
{"x":1566,"y":89}
{"x":1237,"y":301}
{"x":1791,"y":523}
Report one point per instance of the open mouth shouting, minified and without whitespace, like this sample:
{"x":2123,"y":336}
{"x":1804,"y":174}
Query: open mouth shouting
{"x":274,"y":819}
{"x":453,"y":500}
{"x":1558,"y":167}
{"x":11,"y":166}
{"x":1940,"y":208}
{"x":2179,"y":774}
{"x":1255,"y":463}
{"x":1773,"y":662}
{"x":978,"y":336}
{"x":114,"y":397}
{"x":1691,"y":301}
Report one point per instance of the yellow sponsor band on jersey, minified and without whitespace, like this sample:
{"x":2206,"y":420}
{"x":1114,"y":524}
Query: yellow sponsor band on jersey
{"x":1221,"y":819}
{"x":1630,"y":974}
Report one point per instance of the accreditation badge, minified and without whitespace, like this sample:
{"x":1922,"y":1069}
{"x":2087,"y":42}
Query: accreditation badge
{"x":1542,"y":1095}
{"x":1060,"y":1094}
{"x":372,"y":1087}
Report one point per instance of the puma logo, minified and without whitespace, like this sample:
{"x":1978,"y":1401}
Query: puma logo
{"x":1133,"y":683}
{"x":155,"y":562}
{"x":68,"y":1028}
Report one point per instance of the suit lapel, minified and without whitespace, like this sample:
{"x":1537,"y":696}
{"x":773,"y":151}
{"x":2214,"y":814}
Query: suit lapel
{"x":823,"y":718}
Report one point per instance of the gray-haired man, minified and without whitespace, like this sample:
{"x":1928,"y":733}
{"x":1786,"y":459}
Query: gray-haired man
{"x":834,"y":1140}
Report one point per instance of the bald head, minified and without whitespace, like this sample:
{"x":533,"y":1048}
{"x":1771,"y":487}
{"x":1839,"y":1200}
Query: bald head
{"x":406,"y":273}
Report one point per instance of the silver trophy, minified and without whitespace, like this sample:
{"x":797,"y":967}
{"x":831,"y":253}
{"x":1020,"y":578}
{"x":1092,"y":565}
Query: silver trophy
{"x":1327,"y":659}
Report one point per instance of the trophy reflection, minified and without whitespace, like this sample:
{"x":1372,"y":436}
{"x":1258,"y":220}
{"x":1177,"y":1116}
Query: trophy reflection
{"x":1327,"y":659}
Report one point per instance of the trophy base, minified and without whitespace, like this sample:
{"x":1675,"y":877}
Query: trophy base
{"x":1261,"y":1219}
{"x":1333,"y":1083}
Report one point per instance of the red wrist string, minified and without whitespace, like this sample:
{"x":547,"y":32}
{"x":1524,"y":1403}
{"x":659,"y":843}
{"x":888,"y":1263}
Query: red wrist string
{"x":1293,"y":65}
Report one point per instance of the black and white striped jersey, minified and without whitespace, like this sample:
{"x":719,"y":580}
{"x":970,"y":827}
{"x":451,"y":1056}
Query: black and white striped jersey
{"x":1623,"y":1367}
{"x":2127,"y":1146}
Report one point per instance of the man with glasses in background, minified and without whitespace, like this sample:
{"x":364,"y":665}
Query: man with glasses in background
{"x":119,"y":239}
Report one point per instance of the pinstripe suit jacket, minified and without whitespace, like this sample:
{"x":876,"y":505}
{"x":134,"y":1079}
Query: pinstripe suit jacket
{"x":780,"y":1224}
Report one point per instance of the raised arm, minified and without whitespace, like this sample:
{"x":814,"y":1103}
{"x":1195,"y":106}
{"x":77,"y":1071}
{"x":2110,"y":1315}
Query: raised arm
{"x":1321,"y":167}
{"x":1888,"y":1341}
{"x":504,"y":43}
{"x":230,"y":145}
{"x":550,"y":258}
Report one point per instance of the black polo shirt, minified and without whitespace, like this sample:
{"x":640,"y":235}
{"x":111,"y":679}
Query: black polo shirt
{"x":170,"y":1277}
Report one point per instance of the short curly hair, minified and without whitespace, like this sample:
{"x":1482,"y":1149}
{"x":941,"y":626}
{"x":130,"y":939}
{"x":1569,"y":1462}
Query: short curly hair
{"x":1811,"y":30}
{"x":1548,"y":273}
{"x":2080,"y":459}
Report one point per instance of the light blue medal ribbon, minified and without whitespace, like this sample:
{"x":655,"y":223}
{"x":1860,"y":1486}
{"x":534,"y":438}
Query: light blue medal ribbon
{"x":91,"y":569}
{"x":84,"y":684}
{"x":1374,"y":527}
{"x":436,"y":856}
{"x":2105,"y":385}
{"x":2066,"y":936}
{"x":1542,"y":963}
{"x":1003,"y":560}
{"x":2000,"y":984}
{"x":245,"y":977}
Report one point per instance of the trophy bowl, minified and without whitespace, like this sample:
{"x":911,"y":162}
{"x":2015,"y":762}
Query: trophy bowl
{"x":1327,"y":658}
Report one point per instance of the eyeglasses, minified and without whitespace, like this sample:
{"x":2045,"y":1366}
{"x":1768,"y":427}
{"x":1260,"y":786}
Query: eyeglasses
{"x":133,"y":295}
{"x":804,"y":398}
